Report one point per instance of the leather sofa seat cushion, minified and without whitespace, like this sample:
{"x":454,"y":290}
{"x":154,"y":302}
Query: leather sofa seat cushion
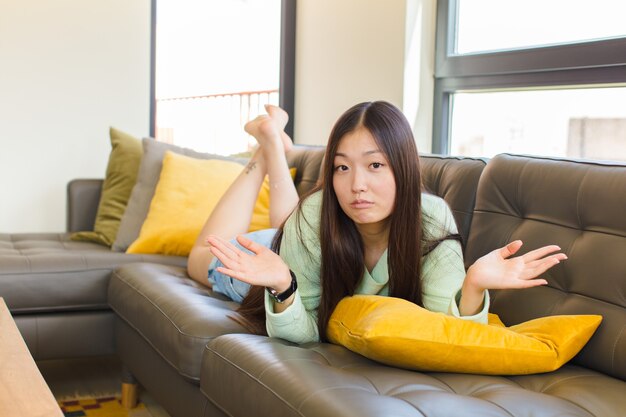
{"x":50,"y":273}
{"x":173,"y":313}
{"x":319,"y":380}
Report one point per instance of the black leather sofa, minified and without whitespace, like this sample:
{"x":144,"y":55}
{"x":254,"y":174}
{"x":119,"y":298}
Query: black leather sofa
{"x":176,"y":339}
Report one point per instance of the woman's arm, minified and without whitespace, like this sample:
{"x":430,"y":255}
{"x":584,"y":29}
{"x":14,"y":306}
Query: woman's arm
{"x":296,"y":319}
{"x":301,"y":250}
{"x":291,"y":320}
{"x":443,"y":275}
{"x":443,"y":271}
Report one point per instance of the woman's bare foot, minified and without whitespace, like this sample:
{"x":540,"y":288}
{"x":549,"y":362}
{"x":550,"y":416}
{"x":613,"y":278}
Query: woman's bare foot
{"x":267,"y":129}
{"x":281,"y":117}
{"x":264,"y":130}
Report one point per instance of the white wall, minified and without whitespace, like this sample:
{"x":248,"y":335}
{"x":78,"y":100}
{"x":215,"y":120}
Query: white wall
{"x":69,"y":70}
{"x":348,"y":51}
{"x":72,"y":68}
{"x":419,"y":70}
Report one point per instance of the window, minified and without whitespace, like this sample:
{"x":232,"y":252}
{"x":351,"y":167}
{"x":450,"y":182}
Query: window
{"x":491,"y":25}
{"x":579,"y":123}
{"x":215,"y":64}
{"x":526,"y":78}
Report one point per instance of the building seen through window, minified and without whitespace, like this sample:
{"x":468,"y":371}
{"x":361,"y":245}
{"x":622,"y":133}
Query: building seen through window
{"x":577,"y":123}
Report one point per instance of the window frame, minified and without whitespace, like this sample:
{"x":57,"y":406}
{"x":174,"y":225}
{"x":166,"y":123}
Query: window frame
{"x":595,"y":63}
{"x":287,"y":64}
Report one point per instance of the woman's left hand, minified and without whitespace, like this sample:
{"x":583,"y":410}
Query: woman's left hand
{"x":497,"y":270}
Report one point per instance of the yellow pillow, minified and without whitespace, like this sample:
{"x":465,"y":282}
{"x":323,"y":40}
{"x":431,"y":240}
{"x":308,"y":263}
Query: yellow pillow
{"x":399,"y":333}
{"x":187,"y":191}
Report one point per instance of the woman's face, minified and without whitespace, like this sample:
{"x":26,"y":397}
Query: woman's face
{"x":363,"y":180}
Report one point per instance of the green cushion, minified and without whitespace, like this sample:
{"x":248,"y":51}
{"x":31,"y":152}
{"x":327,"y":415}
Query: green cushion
{"x":121,"y":176}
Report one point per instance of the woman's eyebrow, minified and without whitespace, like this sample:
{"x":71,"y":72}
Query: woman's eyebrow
{"x":366,"y":153}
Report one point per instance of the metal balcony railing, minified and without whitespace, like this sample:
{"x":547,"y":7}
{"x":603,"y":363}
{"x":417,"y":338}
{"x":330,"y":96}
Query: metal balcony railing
{"x":211,"y":123}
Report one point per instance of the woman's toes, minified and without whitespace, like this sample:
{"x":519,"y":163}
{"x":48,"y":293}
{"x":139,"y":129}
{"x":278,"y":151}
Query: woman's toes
{"x":252,"y":127}
{"x":279,"y":115}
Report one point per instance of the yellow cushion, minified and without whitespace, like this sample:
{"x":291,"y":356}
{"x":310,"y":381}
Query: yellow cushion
{"x":399,"y":333}
{"x":121,"y":175}
{"x":187,"y":191}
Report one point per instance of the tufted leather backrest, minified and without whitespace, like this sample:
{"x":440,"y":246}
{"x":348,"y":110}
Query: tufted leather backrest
{"x":454,"y":179}
{"x":580,"y":206}
{"x":308,"y":163}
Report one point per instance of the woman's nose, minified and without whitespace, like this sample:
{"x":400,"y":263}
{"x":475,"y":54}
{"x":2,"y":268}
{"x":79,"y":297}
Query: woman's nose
{"x":358,"y":183}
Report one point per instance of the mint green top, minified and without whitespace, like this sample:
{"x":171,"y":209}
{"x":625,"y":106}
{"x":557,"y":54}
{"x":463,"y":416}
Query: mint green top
{"x":442,"y":271}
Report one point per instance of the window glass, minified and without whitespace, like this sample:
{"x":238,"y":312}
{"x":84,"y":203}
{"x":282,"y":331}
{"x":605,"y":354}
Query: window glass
{"x":489,"y":25}
{"x":577,"y":123}
{"x":217,"y":64}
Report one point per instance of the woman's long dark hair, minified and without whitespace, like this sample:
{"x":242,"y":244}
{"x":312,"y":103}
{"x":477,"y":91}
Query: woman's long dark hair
{"x":342,"y":257}
{"x":343,"y":262}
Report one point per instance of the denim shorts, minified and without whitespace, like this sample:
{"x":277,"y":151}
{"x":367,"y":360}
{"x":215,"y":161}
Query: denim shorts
{"x":231,"y":287}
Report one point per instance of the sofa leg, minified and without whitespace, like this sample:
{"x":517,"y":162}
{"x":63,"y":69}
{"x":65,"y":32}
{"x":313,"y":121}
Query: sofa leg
{"x":129,"y":390}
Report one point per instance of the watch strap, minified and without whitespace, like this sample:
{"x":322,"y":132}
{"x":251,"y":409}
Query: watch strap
{"x":282,"y":296}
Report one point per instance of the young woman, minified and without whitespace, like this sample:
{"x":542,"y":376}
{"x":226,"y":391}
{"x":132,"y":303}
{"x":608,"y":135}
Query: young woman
{"x":368,"y":229}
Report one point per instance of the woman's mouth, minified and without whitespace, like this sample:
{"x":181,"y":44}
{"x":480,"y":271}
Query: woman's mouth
{"x":361,"y":204}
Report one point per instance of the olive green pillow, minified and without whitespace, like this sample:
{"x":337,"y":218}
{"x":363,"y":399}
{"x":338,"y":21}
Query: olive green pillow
{"x":121,"y":176}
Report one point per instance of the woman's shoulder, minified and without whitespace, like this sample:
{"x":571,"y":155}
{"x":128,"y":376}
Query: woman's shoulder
{"x":302,"y":227}
{"x":436,"y":214}
{"x":307,"y":213}
{"x":311,"y":207}
{"x":434,"y":205}
{"x":313,"y":201}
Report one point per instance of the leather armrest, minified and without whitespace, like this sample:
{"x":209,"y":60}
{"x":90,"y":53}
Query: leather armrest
{"x":83,"y":197}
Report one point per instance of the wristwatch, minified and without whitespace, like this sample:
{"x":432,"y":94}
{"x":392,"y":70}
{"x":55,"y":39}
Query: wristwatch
{"x":280,"y":297}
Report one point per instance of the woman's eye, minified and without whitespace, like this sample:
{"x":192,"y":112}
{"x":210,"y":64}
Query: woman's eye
{"x":341,"y":168}
{"x":376,"y":165}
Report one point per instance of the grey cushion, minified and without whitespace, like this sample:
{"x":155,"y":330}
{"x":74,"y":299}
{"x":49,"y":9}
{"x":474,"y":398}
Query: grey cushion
{"x":50,"y":273}
{"x":143,"y":191}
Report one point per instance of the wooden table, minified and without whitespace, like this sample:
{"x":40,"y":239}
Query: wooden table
{"x":23,"y":391}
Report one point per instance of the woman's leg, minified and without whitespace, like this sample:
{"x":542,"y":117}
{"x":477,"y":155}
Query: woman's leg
{"x":233,"y":213}
{"x":283,"y":194}
{"x":230,"y":217}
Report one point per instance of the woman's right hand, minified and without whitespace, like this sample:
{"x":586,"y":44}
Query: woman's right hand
{"x":264,"y":267}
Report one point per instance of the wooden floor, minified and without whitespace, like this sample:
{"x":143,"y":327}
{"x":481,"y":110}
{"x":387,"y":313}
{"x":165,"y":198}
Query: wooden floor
{"x":90,"y":377}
